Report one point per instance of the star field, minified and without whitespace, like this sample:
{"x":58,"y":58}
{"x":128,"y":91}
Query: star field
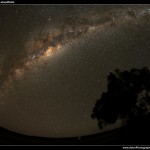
{"x":54,"y":62}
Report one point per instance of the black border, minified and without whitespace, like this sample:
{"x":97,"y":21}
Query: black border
{"x":71,"y":2}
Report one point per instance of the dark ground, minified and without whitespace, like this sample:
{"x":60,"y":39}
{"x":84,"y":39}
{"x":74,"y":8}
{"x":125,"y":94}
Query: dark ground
{"x":137,"y":133}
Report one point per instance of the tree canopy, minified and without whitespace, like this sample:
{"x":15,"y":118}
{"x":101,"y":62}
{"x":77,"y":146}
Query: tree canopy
{"x":127,"y":97}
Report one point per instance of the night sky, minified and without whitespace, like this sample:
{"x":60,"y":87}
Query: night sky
{"x":54,"y":62}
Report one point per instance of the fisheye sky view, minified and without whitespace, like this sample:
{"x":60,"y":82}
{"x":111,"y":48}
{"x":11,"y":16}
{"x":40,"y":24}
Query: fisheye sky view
{"x":55,"y":59}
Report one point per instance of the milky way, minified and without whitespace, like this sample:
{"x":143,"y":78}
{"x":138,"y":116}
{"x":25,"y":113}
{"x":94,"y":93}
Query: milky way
{"x":41,"y":41}
{"x":50,"y":42}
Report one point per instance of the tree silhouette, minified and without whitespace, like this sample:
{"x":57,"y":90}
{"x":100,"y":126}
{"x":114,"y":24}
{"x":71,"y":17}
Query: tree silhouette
{"x":127,"y":98}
